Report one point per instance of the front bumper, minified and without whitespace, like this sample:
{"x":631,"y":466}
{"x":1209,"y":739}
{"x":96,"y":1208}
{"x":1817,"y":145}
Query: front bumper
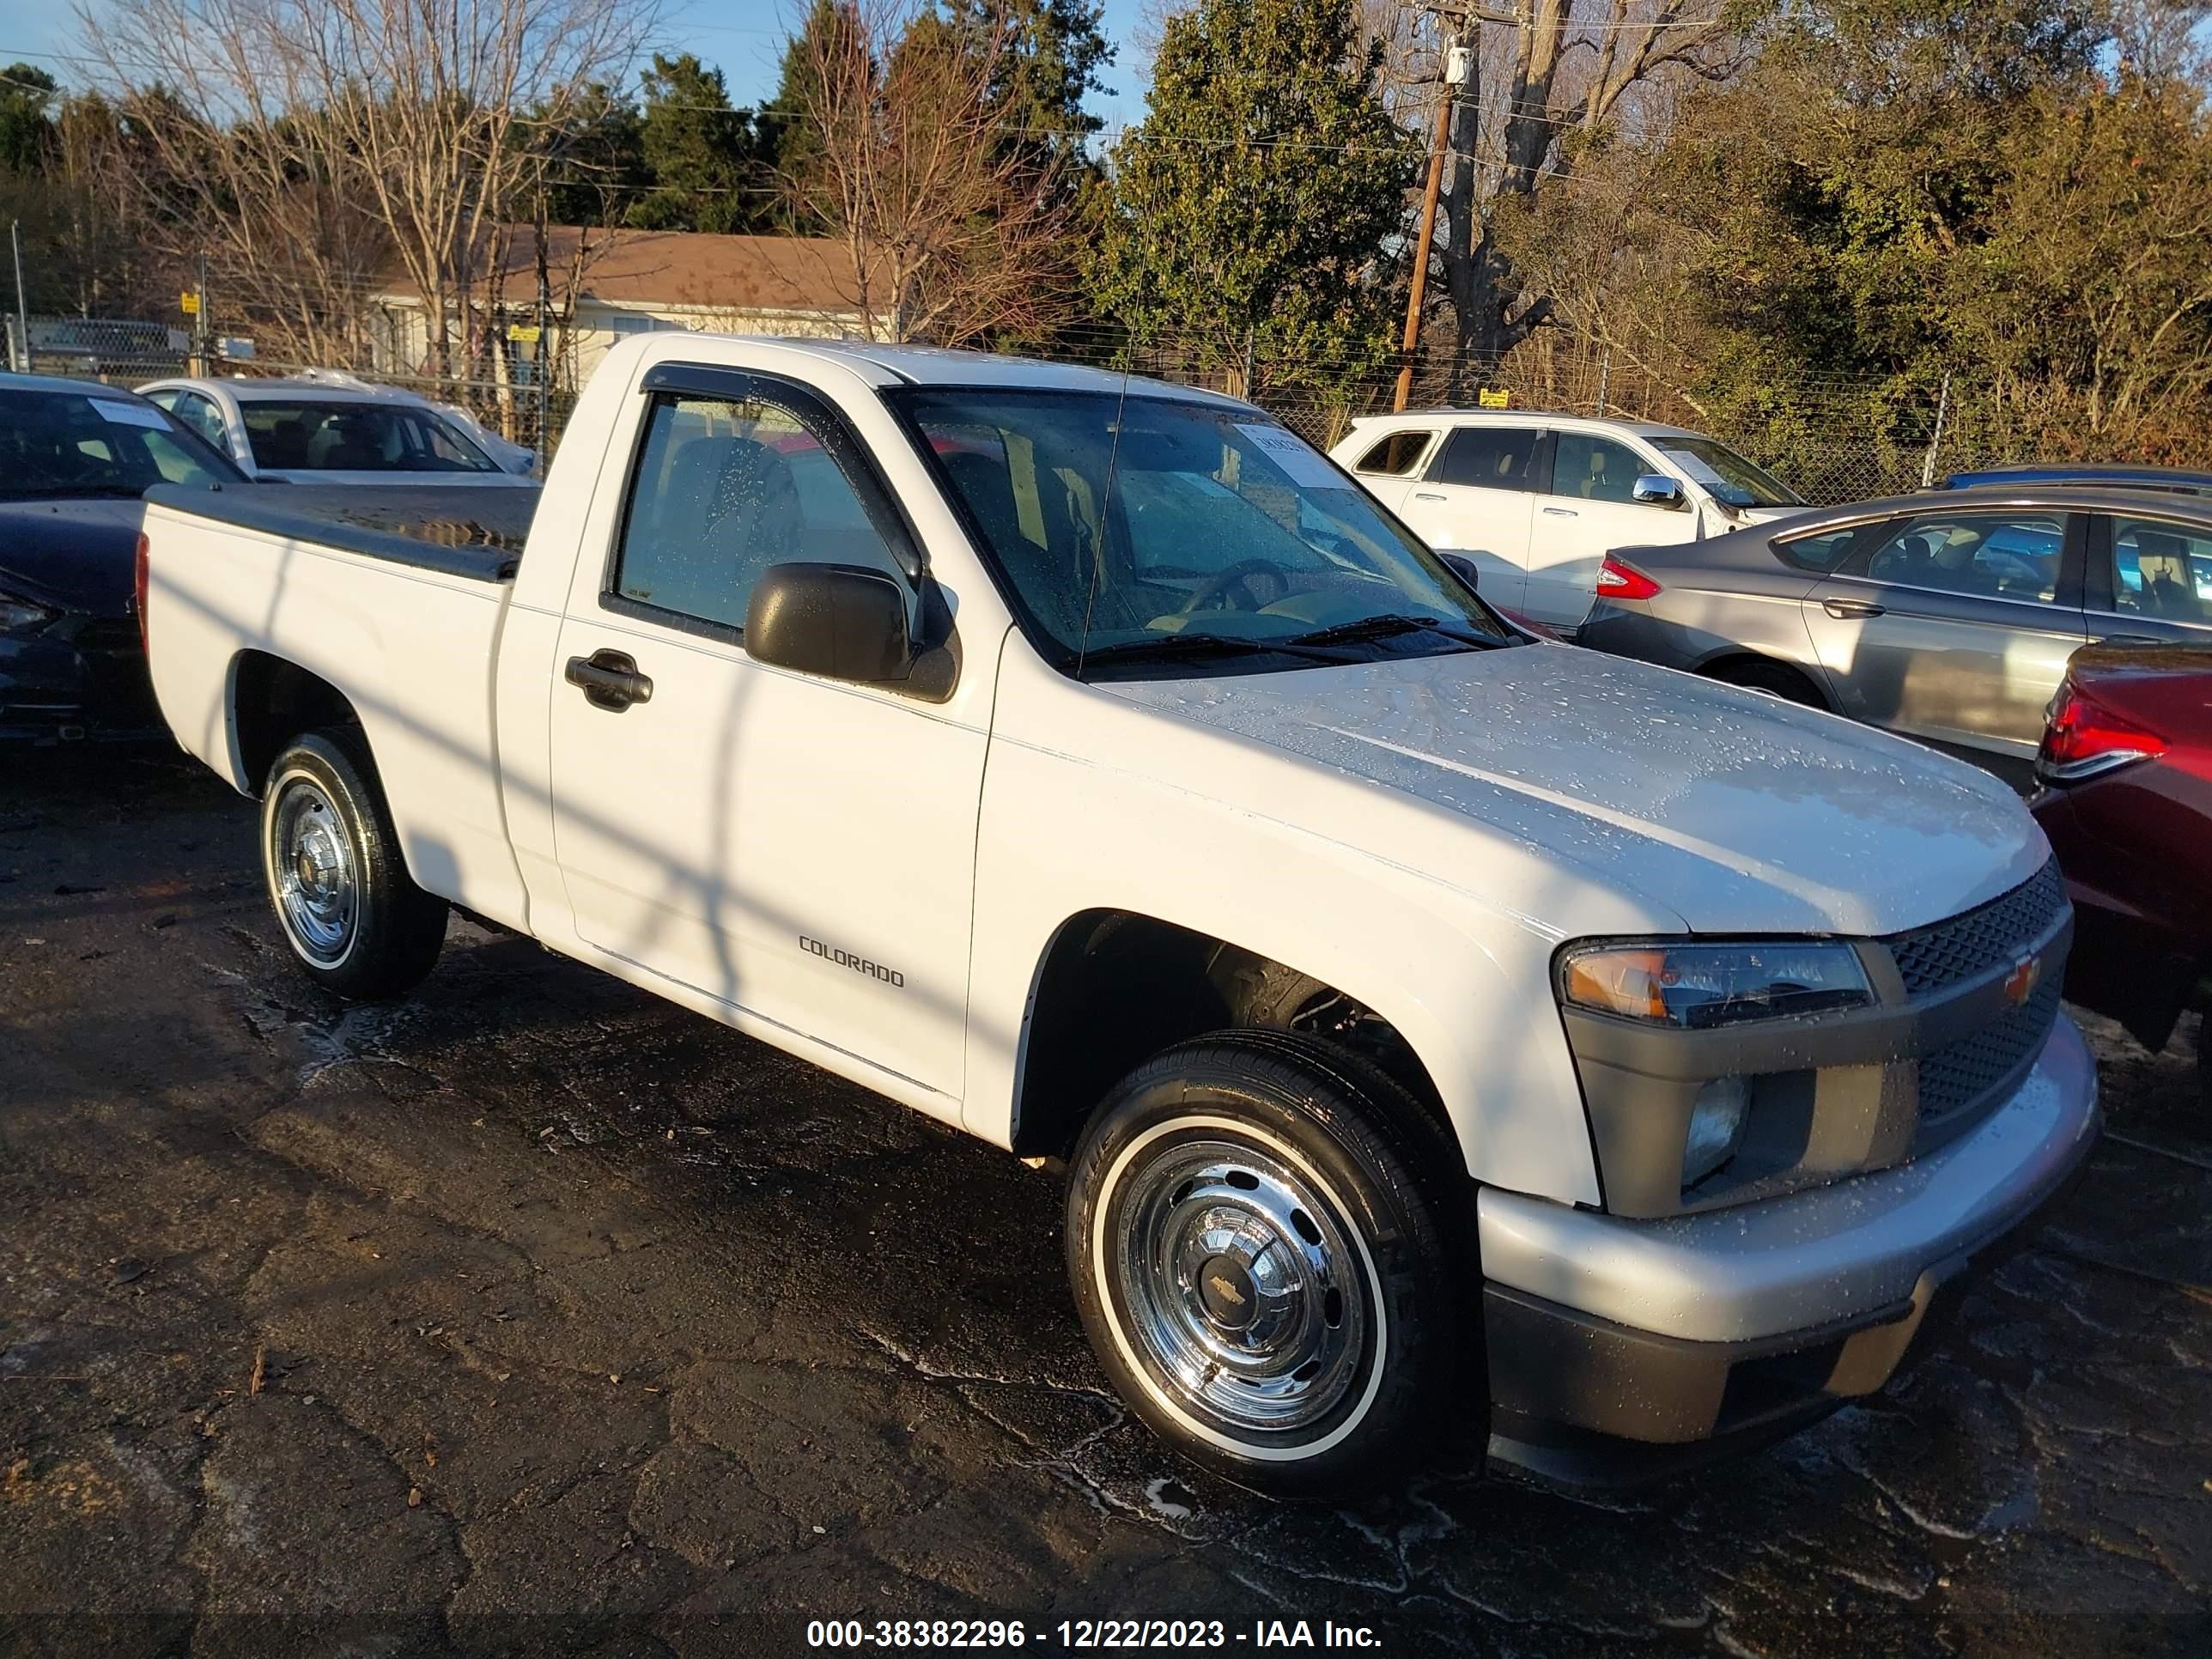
{"x":1623,"y":1350}
{"x":84,"y":679}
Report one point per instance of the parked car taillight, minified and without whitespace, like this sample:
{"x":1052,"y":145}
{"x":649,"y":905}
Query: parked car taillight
{"x":1618,"y":580}
{"x":2082,"y":737}
{"x":138,"y":588}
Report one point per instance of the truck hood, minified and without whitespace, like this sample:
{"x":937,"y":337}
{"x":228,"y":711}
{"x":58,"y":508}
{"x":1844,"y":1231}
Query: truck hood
{"x":1735,"y":811}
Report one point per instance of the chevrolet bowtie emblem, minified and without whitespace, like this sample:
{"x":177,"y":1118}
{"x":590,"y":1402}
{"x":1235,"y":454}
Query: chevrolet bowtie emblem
{"x":1227,"y":1290}
{"x":2020,"y":984}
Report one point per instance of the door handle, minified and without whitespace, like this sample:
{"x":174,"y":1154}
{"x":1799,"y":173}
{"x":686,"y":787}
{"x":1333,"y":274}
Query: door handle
{"x":1845,"y":610}
{"x":609,"y":680}
{"x":1424,"y":495}
{"x":1561,"y":513}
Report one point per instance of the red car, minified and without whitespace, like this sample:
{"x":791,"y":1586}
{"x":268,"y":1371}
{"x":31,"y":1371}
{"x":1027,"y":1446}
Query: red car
{"x":2126,"y":765}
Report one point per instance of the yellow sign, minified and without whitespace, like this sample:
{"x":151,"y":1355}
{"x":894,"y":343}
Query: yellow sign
{"x":189,"y":304}
{"x":523,"y":333}
{"x":1486,"y":398}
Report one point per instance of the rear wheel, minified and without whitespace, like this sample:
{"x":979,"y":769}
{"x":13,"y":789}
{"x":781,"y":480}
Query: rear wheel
{"x":1776,"y":679}
{"x":357,"y":921}
{"x":1260,"y":1269}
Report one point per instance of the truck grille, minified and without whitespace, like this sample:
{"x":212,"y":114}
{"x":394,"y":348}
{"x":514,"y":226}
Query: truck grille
{"x":1933,"y":957}
{"x":1976,"y":1069}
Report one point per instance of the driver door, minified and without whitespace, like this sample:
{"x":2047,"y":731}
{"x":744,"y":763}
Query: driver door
{"x":798,"y":848}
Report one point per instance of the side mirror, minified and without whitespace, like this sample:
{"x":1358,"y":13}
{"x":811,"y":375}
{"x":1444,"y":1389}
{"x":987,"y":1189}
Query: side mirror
{"x":1463,"y":568}
{"x":840,"y":621}
{"x":1657,"y":490}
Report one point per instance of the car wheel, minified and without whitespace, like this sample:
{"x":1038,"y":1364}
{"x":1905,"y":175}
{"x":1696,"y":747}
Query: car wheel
{"x":1776,"y":679}
{"x":357,"y":921}
{"x":1266,"y":1278}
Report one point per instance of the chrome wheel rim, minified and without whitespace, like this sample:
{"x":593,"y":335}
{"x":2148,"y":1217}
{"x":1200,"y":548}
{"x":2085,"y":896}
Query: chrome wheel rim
{"x":1242,"y":1286}
{"x":312,"y":867}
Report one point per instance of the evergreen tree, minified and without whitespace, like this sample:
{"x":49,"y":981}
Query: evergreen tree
{"x":27,"y":95}
{"x":597,"y":171}
{"x":1254,"y":210}
{"x":700,"y":153}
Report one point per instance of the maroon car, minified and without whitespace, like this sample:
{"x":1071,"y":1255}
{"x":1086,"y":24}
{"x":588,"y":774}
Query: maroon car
{"x":2126,"y":765}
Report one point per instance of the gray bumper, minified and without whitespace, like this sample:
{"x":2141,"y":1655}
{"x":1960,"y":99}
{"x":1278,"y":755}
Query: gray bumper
{"x":1812,"y":1259}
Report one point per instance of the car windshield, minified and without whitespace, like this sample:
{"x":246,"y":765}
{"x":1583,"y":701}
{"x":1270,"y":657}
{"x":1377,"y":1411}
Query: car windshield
{"x":1151,"y":534}
{"x":1731,"y":478}
{"x":326,"y":435}
{"x":62,"y":444}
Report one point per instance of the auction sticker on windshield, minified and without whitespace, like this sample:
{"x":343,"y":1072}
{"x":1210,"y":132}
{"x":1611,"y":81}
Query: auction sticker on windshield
{"x":129,"y":415}
{"x":1290,"y":452}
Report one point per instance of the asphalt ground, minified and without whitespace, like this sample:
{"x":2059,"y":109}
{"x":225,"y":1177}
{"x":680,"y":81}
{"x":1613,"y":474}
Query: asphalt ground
{"x":536,"y":1315}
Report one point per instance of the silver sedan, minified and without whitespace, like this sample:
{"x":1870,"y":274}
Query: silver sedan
{"x":1948,"y":617}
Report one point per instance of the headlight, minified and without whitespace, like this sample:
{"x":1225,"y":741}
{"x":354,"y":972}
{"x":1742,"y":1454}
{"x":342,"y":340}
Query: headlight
{"x":17,"y":613}
{"x":1698,"y":987}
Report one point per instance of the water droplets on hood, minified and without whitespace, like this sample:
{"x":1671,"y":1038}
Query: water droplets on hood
{"x":1712,"y":800}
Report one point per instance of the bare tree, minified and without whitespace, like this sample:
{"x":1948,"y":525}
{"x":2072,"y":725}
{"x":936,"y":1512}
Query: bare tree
{"x":311,"y":141}
{"x":1547,"y":80}
{"x":955,"y":233}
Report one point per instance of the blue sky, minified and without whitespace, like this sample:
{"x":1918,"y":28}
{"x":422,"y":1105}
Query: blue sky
{"x":745,"y":40}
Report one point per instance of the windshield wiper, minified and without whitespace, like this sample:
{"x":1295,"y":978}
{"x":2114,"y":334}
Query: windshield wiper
{"x":1389,"y":625}
{"x":1187,"y":648}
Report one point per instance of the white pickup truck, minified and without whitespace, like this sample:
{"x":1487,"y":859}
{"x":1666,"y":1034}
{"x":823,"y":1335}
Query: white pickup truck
{"x":1445,"y":1032}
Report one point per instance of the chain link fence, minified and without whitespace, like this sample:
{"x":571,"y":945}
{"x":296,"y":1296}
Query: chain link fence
{"x":117,"y":351}
{"x":1834,"y":441}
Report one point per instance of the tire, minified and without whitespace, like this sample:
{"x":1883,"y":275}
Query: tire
{"x":1205,"y":1173}
{"x":1775,"y":678}
{"x":358,"y":925}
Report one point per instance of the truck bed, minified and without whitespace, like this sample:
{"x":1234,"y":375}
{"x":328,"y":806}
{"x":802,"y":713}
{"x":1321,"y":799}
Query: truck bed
{"x":474,"y":534}
{"x":395,"y":599}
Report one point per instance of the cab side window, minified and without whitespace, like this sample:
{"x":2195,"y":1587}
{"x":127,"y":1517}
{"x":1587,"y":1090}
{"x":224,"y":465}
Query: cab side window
{"x":1593,"y":469}
{"x":1994,"y":556}
{"x":725,"y":489}
{"x":1489,"y":458}
{"x":2161,"y":569}
{"x":1397,"y":455}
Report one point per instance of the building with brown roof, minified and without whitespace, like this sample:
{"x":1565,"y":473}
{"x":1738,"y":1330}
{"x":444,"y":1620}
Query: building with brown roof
{"x":605,"y":284}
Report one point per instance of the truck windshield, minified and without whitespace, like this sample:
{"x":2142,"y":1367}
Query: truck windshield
{"x":66,"y":445}
{"x":1151,"y":535}
{"x":1729,"y":477}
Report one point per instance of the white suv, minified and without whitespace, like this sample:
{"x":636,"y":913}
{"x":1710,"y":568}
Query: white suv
{"x":1537,"y":500}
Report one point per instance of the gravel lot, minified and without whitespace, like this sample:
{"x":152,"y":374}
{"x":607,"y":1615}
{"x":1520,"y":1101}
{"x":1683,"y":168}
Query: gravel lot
{"x":536,"y":1315}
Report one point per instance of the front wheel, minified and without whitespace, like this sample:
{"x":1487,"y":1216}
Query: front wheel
{"x":357,"y":921}
{"x":1262,"y":1270}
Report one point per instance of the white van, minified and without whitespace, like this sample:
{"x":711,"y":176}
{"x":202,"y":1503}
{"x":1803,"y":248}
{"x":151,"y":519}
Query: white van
{"x":1537,"y":500}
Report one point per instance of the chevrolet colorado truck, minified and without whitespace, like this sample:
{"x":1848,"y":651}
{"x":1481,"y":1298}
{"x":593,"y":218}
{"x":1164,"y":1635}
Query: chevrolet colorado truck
{"x":1450,"y":1037}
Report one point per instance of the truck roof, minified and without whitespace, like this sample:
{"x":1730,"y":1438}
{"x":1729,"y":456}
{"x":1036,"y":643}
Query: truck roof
{"x":885,"y":365}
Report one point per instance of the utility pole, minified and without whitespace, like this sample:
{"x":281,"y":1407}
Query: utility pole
{"x":200,"y":365}
{"x":1604,"y":380}
{"x":1422,"y":243}
{"x":1452,"y":74}
{"x":21,"y":343}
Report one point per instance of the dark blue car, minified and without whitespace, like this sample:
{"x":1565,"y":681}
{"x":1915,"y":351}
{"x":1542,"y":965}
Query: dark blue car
{"x":75,"y":457}
{"x":2165,"y":479}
